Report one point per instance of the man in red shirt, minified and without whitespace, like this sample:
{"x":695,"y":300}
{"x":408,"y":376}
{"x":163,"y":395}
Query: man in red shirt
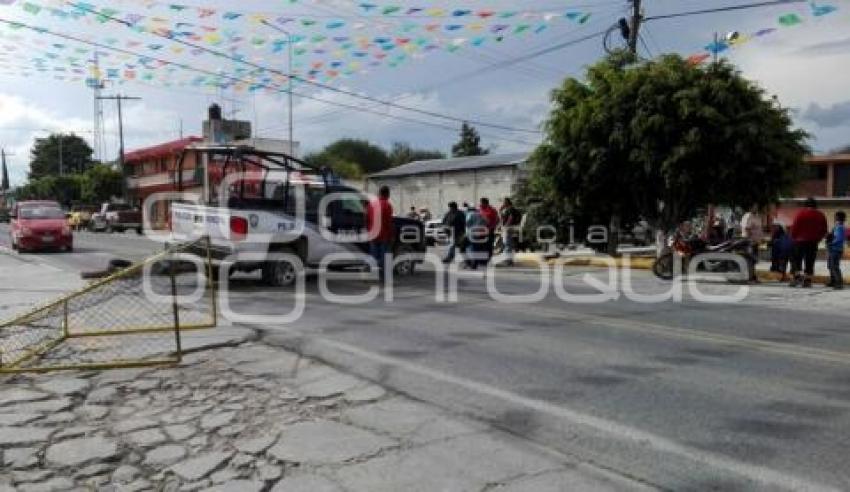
{"x":379,"y":224}
{"x":491,"y":217}
{"x":807,"y":231}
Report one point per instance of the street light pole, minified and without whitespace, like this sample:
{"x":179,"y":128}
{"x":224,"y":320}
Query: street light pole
{"x":289,"y":81}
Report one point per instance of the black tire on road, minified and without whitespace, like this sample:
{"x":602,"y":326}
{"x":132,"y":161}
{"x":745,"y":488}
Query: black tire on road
{"x":280,"y":273}
{"x":663,"y":267}
{"x":407,"y":266}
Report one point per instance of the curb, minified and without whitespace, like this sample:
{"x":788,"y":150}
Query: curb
{"x":641,"y":263}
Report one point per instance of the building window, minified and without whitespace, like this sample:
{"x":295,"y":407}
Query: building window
{"x":841,"y":185}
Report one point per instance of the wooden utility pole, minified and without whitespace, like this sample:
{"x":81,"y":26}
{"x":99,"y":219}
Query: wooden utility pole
{"x":634,"y":32}
{"x":119,"y":99}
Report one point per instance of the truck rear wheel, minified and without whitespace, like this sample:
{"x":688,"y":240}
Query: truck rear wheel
{"x":280,"y":272}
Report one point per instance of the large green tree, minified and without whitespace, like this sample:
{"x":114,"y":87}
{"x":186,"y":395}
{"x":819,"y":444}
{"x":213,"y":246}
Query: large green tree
{"x":76,"y":155}
{"x":343,"y":155}
{"x":403,"y":153}
{"x":469,"y":144}
{"x":100,"y":183}
{"x":659,"y":139}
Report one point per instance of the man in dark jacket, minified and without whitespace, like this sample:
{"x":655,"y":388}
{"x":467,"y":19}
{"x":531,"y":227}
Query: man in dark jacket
{"x":807,"y":231}
{"x":455,"y":223}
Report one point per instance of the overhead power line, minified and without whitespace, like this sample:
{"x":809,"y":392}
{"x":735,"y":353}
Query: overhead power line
{"x":320,"y":85}
{"x":723,"y":9}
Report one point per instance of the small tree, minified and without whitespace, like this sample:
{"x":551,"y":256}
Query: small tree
{"x":369,"y":157}
{"x":469,"y":144}
{"x":660,"y":139}
{"x":44,"y":156}
{"x":402,"y":153}
{"x":100,"y":183}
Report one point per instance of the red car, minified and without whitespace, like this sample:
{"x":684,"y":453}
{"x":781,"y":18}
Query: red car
{"x":38,"y":225}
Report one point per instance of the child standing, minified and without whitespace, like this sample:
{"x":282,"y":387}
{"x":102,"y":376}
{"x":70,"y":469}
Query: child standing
{"x":781,"y":246}
{"x":835,"y":248}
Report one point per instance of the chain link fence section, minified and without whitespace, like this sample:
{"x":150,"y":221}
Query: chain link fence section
{"x":131,"y":318}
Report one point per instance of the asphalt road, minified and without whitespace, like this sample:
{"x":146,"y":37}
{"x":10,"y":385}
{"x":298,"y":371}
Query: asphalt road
{"x":753,"y":395}
{"x":92,"y":251}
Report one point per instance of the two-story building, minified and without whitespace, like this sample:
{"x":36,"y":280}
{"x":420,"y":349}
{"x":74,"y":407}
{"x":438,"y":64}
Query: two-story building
{"x":827,"y":179}
{"x":153,"y":170}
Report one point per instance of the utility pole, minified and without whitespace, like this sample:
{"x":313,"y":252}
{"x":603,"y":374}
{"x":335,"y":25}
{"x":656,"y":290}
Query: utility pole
{"x":119,"y":99}
{"x":289,"y":81}
{"x":634,"y":32}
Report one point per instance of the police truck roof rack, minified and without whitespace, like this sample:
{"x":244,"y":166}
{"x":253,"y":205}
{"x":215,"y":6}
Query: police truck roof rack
{"x":267,"y":160}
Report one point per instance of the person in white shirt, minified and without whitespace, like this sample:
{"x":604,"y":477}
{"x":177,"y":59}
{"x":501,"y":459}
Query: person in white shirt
{"x":752,"y":228}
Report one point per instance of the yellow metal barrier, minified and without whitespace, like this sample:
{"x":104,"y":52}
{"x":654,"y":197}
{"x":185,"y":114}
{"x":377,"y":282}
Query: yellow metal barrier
{"x":131,"y":318}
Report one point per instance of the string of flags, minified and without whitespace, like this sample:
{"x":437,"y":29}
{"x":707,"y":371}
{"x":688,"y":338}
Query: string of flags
{"x":792,"y":19}
{"x":353,"y":48}
{"x":324,"y":50}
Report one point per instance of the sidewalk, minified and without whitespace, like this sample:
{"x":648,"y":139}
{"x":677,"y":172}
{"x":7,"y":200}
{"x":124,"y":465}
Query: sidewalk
{"x":534,"y":260}
{"x":247,"y":417}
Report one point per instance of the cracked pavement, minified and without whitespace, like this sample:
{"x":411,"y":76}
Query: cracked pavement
{"x":252,"y":417}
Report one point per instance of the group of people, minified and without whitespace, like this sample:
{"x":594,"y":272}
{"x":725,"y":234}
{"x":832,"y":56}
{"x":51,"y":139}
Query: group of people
{"x":473,"y":231}
{"x":423,"y":215}
{"x":799,"y":246}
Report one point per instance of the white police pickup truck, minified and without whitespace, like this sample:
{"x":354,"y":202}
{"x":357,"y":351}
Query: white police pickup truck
{"x":270,"y":212}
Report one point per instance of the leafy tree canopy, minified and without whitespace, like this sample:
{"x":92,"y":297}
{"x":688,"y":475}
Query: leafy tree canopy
{"x":469,"y":144}
{"x":402,"y":153}
{"x":368,"y":157}
{"x":660,"y":139}
{"x":354,"y":159}
{"x":44,"y":156}
{"x":99,"y":183}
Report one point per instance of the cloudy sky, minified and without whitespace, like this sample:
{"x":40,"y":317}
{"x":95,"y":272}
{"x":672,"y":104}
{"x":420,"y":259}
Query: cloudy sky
{"x":806,"y":66}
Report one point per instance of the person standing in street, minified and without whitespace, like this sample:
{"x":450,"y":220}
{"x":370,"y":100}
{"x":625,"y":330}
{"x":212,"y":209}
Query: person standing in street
{"x":835,"y":248}
{"x":413,"y":214}
{"x":455,"y":223}
{"x":476,"y":238}
{"x":807,"y":231}
{"x":379,"y":224}
{"x":491,"y":219}
{"x":752,"y":228}
{"x":510,"y":222}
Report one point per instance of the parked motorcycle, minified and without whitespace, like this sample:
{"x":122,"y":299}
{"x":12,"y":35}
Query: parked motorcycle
{"x":689,"y":249}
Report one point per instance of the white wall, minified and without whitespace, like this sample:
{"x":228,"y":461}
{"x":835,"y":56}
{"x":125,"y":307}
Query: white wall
{"x":435,"y":190}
